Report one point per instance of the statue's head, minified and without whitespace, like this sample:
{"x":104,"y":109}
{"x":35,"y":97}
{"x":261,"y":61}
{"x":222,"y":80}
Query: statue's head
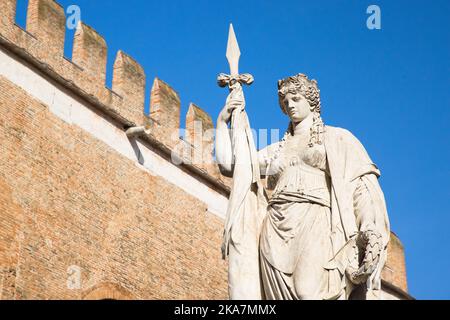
{"x":299,"y":97}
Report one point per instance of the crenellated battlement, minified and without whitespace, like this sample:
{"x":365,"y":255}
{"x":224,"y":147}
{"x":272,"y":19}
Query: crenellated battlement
{"x":165,"y":111}
{"x":90,"y":53}
{"x":42,"y":45}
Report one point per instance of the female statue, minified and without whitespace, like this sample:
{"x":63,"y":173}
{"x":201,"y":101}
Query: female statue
{"x":319,"y":229}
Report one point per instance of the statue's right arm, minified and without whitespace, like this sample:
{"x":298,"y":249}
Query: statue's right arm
{"x":224,"y":152}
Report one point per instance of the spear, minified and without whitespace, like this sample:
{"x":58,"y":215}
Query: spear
{"x":246,"y":205}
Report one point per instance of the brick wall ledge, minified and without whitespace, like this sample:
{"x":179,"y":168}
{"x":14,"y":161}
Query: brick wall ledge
{"x":405,"y":295}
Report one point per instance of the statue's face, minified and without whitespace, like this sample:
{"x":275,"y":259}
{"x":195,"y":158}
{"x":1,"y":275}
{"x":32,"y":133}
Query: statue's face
{"x":296,"y":106}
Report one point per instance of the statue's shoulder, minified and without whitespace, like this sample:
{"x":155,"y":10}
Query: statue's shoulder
{"x":342,"y":140}
{"x":340,"y":133}
{"x":343,"y":137}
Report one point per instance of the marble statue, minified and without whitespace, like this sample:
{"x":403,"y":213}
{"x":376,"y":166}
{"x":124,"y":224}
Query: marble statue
{"x":306,"y":217}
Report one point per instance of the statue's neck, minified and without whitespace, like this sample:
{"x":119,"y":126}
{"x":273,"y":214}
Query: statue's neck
{"x":302,"y":127}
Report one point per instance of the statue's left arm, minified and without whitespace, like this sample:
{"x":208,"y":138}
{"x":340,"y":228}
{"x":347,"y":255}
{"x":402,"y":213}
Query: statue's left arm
{"x":370,"y":212}
{"x":368,"y":199}
{"x":365,"y":203}
{"x":373,"y":225}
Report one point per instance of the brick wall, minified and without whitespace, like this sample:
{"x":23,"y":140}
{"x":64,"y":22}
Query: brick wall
{"x":68,"y":199}
{"x":394,"y":271}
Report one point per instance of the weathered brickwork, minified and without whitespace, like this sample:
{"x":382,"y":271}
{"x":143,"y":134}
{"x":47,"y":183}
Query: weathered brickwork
{"x":67,"y":199}
{"x":71,"y":203}
{"x":395,"y":270}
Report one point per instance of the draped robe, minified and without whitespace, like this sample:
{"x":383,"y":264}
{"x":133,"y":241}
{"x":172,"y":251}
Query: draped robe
{"x":349,"y":165}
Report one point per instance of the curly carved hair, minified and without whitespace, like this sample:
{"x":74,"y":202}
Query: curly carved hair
{"x":300,"y":84}
{"x":310,"y":90}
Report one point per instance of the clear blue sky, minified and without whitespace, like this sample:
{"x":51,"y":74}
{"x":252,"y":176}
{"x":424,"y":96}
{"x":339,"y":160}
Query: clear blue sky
{"x":390,"y":87}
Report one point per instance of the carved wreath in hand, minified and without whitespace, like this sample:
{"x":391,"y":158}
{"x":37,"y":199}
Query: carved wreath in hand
{"x":371,"y":245}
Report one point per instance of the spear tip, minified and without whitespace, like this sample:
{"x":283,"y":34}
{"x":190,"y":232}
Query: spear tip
{"x":233,"y":52}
